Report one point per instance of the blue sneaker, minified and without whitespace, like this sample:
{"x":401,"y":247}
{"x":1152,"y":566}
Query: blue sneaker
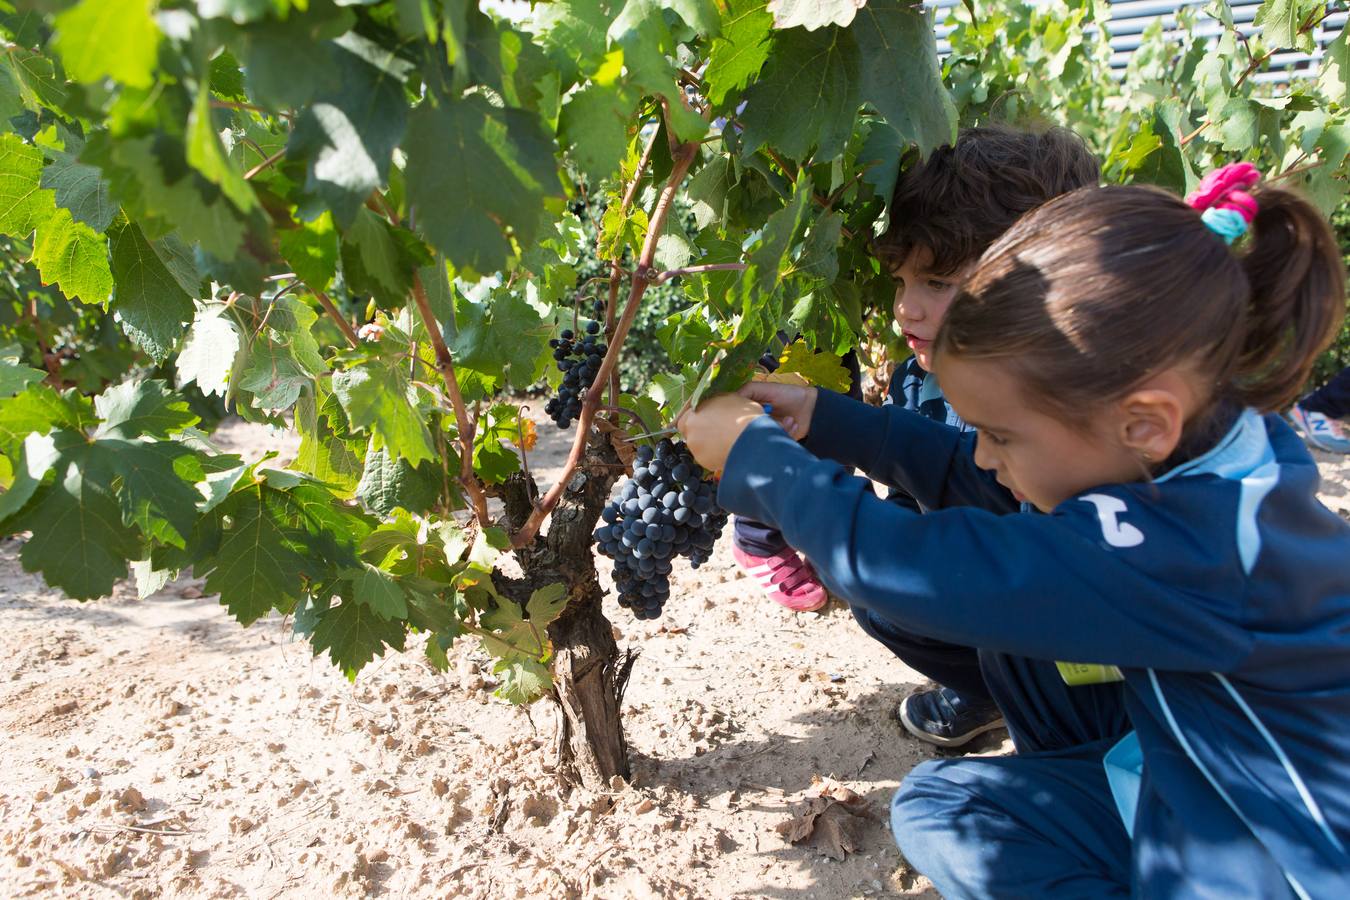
{"x":943,"y":717}
{"x":1320,"y":430}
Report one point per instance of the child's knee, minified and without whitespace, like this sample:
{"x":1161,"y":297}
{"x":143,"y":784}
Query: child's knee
{"x":922,"y":808}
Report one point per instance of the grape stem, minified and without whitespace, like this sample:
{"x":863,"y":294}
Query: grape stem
{"x":683,"y":158}
{"x":445,"y":364}
{"x":520,"y":442}
{"x":620,"y":409}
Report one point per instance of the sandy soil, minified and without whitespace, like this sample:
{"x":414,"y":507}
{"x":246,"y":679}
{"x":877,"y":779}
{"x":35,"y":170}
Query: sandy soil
{"x":155,"y":748}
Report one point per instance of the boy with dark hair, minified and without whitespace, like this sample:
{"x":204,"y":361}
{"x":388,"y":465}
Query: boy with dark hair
{"x":946,"y":212}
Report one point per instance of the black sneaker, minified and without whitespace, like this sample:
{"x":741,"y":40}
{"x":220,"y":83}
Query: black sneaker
{"x":942,"y":716}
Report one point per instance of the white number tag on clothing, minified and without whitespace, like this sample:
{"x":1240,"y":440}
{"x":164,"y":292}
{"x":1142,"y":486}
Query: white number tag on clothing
{"x":1116,"y":532}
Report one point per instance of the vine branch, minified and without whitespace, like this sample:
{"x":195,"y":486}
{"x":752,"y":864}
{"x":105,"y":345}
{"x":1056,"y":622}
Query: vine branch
{"x":663,"y":277}
{"x":343,"y":325}
{"x":615,"y":270}
{"x":683,"y":159}
{"x":265,"y":164}
{"x":445,"y":364}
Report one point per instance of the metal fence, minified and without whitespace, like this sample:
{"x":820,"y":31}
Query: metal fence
{"x":1130,"y":18}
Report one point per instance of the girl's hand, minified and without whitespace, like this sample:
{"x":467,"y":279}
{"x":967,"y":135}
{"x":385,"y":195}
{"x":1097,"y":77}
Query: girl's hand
{"x":790,"y":404}
{"x":714,"y":426}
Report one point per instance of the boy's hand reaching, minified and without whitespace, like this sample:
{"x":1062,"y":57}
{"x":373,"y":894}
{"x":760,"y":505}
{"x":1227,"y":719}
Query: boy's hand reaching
{"x":790,"y":404}
{"x":712,"y":428}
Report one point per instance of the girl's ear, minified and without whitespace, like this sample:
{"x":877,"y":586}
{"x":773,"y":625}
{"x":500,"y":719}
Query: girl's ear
{"x":1151,"y":423}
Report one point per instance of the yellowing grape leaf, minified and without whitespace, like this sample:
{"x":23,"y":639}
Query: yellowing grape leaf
{"x":816,"y":368}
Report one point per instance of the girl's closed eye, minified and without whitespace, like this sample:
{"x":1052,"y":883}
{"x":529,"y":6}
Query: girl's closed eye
{"x":997,"y":440}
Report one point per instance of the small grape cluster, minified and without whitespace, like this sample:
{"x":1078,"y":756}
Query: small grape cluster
{"x":579,"y":360}
{"x":666,"y":509}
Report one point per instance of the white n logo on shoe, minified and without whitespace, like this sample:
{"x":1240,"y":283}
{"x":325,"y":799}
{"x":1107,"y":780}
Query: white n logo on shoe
{"x":1116,"y":532}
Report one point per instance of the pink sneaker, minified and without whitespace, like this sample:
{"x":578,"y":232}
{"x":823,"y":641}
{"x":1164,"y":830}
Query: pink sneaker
{"x":788,"y":579}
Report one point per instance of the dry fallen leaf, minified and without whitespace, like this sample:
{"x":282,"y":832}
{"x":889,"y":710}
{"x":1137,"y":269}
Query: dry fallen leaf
{"x":830,"y":818}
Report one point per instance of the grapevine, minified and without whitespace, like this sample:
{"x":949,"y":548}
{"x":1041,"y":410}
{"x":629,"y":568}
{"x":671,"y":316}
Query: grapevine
{"x":667,"y":509}
{"x":375,"y":248}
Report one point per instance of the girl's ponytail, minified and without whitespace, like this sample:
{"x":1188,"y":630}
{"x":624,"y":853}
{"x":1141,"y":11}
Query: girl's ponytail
{"x":1293,"y":265}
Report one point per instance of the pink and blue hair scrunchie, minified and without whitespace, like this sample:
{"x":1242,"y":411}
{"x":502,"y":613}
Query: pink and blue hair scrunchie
{"x":1223,"y":201}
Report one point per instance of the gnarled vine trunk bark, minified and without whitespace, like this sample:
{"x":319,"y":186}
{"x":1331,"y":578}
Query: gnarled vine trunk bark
{"x":590,"y":673}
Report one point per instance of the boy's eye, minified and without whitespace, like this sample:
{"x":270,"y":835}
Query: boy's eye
{"x":936,"y":285}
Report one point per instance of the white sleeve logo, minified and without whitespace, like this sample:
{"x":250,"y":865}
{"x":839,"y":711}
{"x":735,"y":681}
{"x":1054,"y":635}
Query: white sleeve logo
{"x":1116,"y":532}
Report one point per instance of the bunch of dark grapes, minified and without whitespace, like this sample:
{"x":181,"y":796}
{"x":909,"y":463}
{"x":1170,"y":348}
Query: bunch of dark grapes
{"x":579,"y":360}
{"x":667,"y":509}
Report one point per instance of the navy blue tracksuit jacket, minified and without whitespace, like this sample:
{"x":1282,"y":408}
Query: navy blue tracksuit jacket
{"x":1221,"y":590}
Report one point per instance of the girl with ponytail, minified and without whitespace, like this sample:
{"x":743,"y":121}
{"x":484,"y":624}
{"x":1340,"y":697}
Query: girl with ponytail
{"x":1123,"y":354}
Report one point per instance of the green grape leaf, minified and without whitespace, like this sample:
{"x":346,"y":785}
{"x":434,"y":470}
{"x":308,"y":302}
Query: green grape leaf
{"x":1167,"y":166}
{"x":521,"y":681}
{"x":594,"y":125}
{"x":510,"y":636}
{"x":901,"y":76}
{"x":74,"y":257}
{"x":820,"y":252}
{"x":274,"y":376}
{"x":502,"y":169}
{"x":135,"y":409}
{"x":619,"y":230}
{"x":879,"y":160}
{"x":311,"y":250}
{"x":270,"y":73}
{"x":205,"y":153}
{"x":33,"y":461}
{"x":36,"y":78}
{"x":1334,"y":79}
{"x":80,"y":188}
{"x":377,"y":398}
{"x":388,"y":483}
{"x":150,"y":302}
{"x":807,"y":97}
{"x":494,"y":462}
{"x":38,"y":410}
{"x":572,"y":33}
{"x":179,"y":203}
{"x":811,"y":14}
{"x":149,"y":580}
{"x":379,"y":590}
{"x":708,"y":191}
{"x":209,"y":353}
{"x":348,"y":135}
{"x":24,"y":205}
{"x":381,"y":258}
{"x":1279,"y":21}
{"x":259,"y":562}
{"x":354,"y":634}
{"x":323,"y":453}
{"x":155,"y":496}
{"x":80,"y":542}
{"x":109,"y":38}
{"x":505,"y":337}
{"x":15,"y":377}
{"x":546,"y":604}
{"x":737,"y":56}
{"x":820,"y":369}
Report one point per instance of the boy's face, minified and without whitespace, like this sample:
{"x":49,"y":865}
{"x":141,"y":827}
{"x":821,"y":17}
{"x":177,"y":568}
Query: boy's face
{"x":921,"y":300}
